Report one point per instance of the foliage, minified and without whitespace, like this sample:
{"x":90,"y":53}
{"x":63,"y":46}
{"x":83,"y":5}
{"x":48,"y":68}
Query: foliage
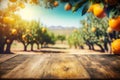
{"x":61,"y":38}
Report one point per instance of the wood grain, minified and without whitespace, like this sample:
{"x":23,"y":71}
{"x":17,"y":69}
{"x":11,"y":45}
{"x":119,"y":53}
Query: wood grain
{"x":64,"y":66}
{"x":60,"y":66}
{"x":11,"y":63}
{"x":4,"y":57}
{"x":100,"y":66}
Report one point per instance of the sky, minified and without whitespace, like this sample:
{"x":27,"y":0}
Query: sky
{"x":52,"y":17}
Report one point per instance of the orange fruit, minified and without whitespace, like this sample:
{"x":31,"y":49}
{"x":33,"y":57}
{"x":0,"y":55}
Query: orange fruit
{"x":21,"y":5}
{"x":34,"y":2}
{"x":43,"y":30}
{"x":68,"y":6}
{"x":109,"y":30}
{"x":93,"y":29}
{"x":12,"y":0}
{"x":114,"y":23}
{"x":116,"y":46}
{"x":55,"y":4}
{"x":98,"y":11}
{"x":27,"y":30}
{"x":24,"y":38}
{"x":8,"y":20}
{"x":8,"y":41}
{"x":14,"y":31}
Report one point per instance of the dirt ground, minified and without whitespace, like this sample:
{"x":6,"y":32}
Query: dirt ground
{"x":17,"y":48}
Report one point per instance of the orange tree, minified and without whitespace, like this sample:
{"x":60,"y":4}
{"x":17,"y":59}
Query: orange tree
{"x":75,"y":39}
{"x":23,"y":33}
{"x":92,"y":33}
{"x":46,"y":38}
{"x":8,"y":30}
{"x":95,"y":31}
{"x":61,"y":37}
{"x":32,"y":33}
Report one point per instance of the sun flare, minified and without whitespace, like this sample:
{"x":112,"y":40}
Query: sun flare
{"x":28,"y":13}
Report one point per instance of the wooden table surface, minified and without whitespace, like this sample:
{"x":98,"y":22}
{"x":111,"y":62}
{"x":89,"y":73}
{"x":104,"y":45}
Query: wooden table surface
{"x":59,"y":66}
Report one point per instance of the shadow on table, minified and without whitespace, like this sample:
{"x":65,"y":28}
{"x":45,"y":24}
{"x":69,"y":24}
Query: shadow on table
{"x":48,"y":51}
{"x":57,"y":47}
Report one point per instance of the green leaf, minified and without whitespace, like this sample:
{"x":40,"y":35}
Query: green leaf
{"x":85,"y":8}
{"x":78,"y":5}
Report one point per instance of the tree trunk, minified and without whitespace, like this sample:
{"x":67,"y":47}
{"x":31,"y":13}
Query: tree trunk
{"x":88,"y":46}
{"x":2,"y":48}
{"x":102,"y":49}
{"x":8,"y":48}
{"x":81,"y":47}
{"x":31,"y":46}
{"x":38,"y":47}
{"x":42,"y":45}
{"x":92,"y":47}
{"x":25,"y":47}
{"x":75,"y":45}
{"x":110,"y":48}
{"x":106,"y":46}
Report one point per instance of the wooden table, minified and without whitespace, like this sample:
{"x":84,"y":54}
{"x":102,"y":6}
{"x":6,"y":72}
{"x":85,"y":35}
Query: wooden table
{"x":59,"y":66}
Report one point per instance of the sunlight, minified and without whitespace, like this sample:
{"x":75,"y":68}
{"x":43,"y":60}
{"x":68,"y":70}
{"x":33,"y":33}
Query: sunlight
{"x":28,"y":13}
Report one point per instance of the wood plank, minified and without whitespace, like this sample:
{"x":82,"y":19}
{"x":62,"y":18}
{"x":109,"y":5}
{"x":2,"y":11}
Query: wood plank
{"x":64,"y":66}
{"x":5,"y":57}
{"x":61,"y":66}
{"x":54,"y":66}
{"x":8,"y":65}
{"x":111,"y":64}
{"x":32,"y":68}
{"x":97,"y":69}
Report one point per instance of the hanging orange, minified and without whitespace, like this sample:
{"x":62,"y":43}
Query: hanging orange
{"x":8,"y":20}
{"x":114,"y":23}
{"x":14,"y":32}
{"x":68,"y":6}
{"x":109,"y":30}
{"x":55,"y":3}
{"x":43,"y":30}
{"x":98,"y":11}
{"x":93,"y":29}
{"x":116,"y":46}
{"x":8,"y":41}
{"x":12,"y":0}
{"x":21,"y":5}
{"x":33,"y":1}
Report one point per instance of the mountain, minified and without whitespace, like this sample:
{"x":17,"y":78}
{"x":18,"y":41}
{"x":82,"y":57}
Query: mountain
{"x":60,"y":30}
{"x":60,"y":27}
